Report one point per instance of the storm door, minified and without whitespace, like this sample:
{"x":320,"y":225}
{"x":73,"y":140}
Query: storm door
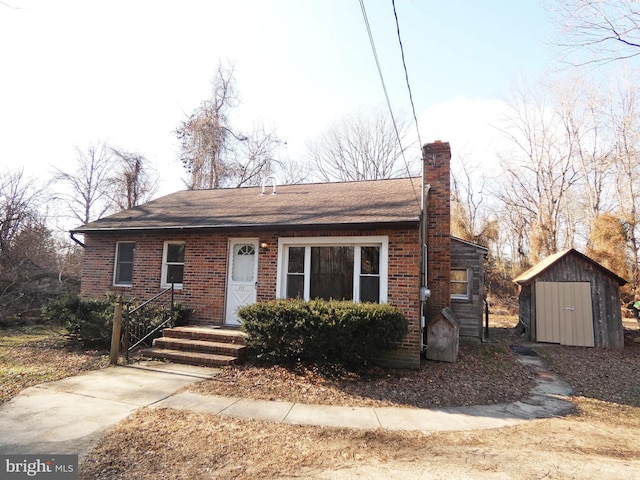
{"x":241,"y":278}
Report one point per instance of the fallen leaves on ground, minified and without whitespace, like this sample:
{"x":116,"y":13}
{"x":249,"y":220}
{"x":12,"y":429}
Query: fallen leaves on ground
{"x":34,"y":355}
{"x":603,"y":374}
{"x":483,"y":374}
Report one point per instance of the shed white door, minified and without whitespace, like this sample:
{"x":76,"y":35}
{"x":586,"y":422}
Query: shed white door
{"x":563,"y":313}
{"x":242,"y":277}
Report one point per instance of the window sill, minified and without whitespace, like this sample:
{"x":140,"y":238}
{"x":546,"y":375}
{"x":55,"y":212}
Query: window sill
{"x":462,"y":299}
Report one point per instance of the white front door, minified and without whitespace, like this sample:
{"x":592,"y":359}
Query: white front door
{"x":242,"y":277}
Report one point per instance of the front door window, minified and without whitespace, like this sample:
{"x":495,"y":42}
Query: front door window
{"x":243,"y":263}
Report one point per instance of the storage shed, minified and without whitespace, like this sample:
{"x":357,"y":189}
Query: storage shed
{"x":570,"y":299}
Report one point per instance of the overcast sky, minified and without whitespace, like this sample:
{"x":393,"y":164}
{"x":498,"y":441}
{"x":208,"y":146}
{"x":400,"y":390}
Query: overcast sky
{"x":127,"y":72}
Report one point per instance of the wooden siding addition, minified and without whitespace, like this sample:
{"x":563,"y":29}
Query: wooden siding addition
{"x":465,"y":255}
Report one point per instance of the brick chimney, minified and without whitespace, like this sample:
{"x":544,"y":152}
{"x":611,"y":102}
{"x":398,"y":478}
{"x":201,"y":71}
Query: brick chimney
{"x":437,"y":173}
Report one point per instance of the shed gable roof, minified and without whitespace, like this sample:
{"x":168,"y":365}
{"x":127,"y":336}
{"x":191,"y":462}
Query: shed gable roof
{"x":528,"y":276}
{"x":347,"y":203}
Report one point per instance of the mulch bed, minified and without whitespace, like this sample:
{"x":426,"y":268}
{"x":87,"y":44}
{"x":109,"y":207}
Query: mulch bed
{"x":483,"y":374}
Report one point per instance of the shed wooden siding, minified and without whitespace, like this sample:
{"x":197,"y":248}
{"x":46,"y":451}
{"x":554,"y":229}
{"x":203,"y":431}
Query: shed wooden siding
{"x":605,"y":298}
{"x":466,"y":255}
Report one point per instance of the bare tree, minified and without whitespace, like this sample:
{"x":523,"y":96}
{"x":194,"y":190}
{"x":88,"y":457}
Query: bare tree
{"x":87,"y":193}
{"x":604,"y":30}
{"x":361,"y":146}
{"x":290,"y":171}
{"x":213,"y":152}
{"x":18,"y":197}
{"x":255,"y":156}
{"x":28,"y":253}
{"x":132,"y":180}
{"x":625,"y":116}
{"x":470,"y":219}
{"x":538,"y":173}
{"x":205,"y":135}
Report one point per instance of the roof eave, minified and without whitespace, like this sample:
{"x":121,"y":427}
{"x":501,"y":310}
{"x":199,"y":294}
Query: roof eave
{"x":248,"y":227}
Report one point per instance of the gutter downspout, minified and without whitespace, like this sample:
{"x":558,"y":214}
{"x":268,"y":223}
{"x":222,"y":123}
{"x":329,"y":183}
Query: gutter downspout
{"x":425,"y":293}
{"x":72,"y":235}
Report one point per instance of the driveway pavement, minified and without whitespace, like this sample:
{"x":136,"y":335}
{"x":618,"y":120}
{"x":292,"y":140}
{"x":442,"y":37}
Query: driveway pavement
{"x":68,"y":416}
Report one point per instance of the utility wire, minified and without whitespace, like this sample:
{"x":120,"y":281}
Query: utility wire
{"x":406,"y":74}
{"x":386,"y":94}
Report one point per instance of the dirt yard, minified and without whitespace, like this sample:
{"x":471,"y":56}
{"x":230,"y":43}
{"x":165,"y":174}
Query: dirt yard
{"x":600,"y":440}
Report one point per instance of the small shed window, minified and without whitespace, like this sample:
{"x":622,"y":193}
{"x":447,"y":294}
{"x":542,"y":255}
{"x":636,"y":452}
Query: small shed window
{"x":461,"y":284}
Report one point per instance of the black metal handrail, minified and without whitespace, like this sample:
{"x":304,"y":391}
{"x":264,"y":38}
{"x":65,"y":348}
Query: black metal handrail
{"x":142,"y":338}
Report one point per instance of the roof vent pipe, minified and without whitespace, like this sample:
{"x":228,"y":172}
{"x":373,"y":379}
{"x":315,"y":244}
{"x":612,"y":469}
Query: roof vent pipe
{"x":274,"y":181}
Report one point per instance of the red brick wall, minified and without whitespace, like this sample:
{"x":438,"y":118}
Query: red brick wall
{"x":437,"y":173}
{"x":206,"y":269}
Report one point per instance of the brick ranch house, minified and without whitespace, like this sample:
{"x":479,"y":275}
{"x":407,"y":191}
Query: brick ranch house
{"x":228,"y":247}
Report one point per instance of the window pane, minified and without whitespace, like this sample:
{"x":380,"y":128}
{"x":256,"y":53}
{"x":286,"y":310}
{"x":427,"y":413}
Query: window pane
{"x":370,"y":289}
{"x":370,"y":260}
{"x":124,"y":264}
{"x":296,"y":260}
{"x":125,"y":252}
{"x":295,"y":286}
{"x":175,"y":252}
{"x":459,"y":289}
{"x":458,"y":275}
{"x":124,"y":274}
{"x":331,"y":273}
{"x":174,"y":273}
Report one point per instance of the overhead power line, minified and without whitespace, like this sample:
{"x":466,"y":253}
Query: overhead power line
{"x":386,"y":94}
{"x":406,"y":73}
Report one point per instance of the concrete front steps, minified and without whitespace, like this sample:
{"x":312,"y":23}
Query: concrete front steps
{"x":206,"y":346}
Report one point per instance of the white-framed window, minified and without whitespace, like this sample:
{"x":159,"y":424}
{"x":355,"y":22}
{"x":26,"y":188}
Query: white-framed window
{"x":342,"y":268}
{"x":461,"y":284}
{"x":173,"y":264}
{"x":123,"y":268}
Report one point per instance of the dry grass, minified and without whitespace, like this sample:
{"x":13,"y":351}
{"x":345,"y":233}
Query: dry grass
{"x":36,"y":354}
{"x":171,"y":444}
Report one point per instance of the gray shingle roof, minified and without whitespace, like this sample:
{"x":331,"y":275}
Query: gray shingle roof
{"x":331,"y":204}
{"x":528,"y":276}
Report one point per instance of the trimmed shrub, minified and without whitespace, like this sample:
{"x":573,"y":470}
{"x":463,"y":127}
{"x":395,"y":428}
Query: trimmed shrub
{"x":323,"y":332}
{"x":92,"y":319}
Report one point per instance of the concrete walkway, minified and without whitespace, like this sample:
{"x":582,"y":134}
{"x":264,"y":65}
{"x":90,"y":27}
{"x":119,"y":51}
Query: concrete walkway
{"x":545,"y":400}
{"x":70,"y":415}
